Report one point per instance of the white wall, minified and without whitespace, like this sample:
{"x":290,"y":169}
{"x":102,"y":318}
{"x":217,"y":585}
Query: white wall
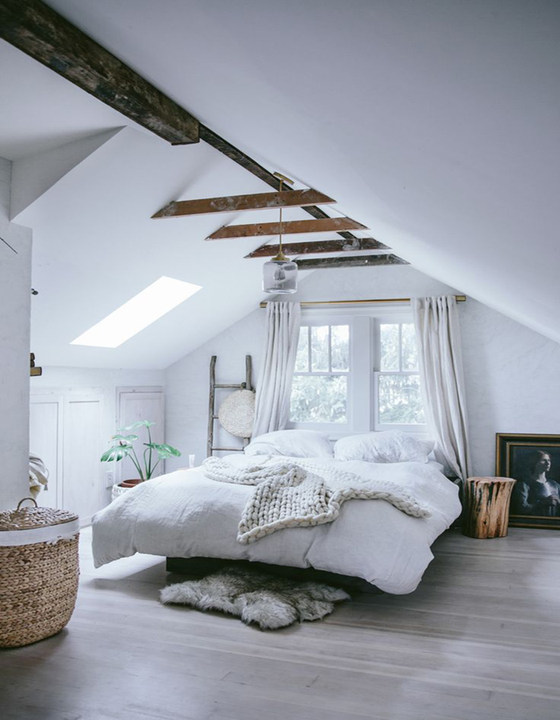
{"x":187,"y":385}
{"x":15,"y":294}
{"x":512,"y":375}
{"x":511,"y":372}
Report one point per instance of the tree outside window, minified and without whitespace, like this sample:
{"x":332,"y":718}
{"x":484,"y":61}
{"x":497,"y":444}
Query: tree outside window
{"x":399,"y":400}
{"x":357,"y":374}
{"x":320,"y":383}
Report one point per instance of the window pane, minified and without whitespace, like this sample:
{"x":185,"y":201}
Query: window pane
{"x":302,"y":356}
{"x":319,"y":399}
{"x":389,"y":339}
{"x":340,"y":343}
{"x":399,"y":399}
{"x":320,"y":348}
{"x":409,"y":356}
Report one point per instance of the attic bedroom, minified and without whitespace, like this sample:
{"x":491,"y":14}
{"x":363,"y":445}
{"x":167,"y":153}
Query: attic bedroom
{"x":350,"y":210}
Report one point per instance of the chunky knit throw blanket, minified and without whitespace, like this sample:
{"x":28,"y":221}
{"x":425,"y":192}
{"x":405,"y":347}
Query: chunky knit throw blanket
{"x":301,"y":495}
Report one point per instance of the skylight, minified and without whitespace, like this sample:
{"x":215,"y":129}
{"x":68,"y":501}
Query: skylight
{"x":137,"y":313}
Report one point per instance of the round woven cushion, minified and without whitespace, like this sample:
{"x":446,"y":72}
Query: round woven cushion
{"x":237,"y":412}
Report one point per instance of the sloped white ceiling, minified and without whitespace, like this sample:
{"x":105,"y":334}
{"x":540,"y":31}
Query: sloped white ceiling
{"x":435,"y":123}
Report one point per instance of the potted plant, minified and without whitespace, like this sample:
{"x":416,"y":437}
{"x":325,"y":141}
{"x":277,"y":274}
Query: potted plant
{"x":123,"y":446}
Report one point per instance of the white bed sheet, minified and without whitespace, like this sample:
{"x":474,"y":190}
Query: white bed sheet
{"x":184,"y":514}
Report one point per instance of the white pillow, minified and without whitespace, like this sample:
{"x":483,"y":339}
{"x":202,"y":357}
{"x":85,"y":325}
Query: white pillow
{"x":383,"y":447}
{"x":297,"y":443}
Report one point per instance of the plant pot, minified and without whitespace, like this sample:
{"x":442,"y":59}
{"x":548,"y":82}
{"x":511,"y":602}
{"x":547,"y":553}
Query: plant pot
{"x":130,"y":483}
{"x":122,"y":487}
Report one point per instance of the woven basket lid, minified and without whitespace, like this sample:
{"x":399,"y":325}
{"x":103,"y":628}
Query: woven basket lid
{"x":237,"y":412}
{"x":30,"y":518}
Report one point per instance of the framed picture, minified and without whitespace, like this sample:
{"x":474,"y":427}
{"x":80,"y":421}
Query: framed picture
{"x":534,"y":461}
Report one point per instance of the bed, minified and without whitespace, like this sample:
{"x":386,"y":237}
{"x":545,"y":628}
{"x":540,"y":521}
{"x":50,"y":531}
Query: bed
{"x":189,"y":514}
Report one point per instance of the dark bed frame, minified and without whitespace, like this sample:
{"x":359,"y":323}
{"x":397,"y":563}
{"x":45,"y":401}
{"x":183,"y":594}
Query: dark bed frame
{"x":200,"y":566}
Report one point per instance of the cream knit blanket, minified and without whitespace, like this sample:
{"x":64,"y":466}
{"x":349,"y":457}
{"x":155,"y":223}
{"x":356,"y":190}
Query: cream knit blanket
{"x":301,"y":495}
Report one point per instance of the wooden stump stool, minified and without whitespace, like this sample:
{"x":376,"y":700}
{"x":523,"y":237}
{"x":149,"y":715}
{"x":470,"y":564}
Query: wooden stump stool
{"x":486,"y":506}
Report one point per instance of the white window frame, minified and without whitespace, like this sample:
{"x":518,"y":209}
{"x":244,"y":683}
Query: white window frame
{"x":400,"y":319}
{"x":333,"y":429}
{"x":364,"y":366}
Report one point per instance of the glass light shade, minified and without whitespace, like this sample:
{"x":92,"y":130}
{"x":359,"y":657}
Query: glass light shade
{"x":280,"y":277}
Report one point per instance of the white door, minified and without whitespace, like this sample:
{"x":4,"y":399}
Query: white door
{"x":83,"y":484}
{"x":45,"y":441}
{"x":65,"y":432}
{"x":133,"y":405}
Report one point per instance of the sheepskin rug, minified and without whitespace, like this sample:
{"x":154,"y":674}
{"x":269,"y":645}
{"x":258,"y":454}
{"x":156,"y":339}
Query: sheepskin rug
{"x":267,"y":601}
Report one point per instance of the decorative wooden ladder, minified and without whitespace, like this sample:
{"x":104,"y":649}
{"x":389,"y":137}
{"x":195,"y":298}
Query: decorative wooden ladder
{"x":212,"y":416}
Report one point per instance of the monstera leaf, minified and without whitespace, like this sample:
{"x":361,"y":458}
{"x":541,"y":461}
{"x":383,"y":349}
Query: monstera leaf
{"x":123,"y":446}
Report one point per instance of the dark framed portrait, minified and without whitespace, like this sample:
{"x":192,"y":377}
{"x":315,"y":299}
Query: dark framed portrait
{"x":534,"y":462}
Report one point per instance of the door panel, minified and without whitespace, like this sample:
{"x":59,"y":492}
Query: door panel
{"x":45,"y":441}
{"x":133,"y":406}
{"x":83,"y":473}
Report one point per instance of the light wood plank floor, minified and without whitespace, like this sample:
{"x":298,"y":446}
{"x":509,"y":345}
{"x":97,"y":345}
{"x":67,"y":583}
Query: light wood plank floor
{"x":479,"y":640}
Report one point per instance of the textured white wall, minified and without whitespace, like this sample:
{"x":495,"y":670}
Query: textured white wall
{"x":511,"y":372}
{"x":15,"y":294}
{"x":187,"y":385}
{"x":96,"y":378}
{"x":512,"y":378}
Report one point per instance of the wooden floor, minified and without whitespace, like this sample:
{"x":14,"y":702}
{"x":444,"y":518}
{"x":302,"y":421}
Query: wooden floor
{"x":479,"y":640}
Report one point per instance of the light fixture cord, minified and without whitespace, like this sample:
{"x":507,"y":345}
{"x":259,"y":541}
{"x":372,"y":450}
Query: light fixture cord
{"x":280,"y":228}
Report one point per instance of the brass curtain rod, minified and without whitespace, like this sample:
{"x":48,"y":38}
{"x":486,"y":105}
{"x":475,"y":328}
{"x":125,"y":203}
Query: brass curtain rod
{"x":316,"y":303}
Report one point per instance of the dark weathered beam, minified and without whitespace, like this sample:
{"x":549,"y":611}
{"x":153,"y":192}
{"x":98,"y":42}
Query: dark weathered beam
{"x":46,"y":36}
{"x":291,"y":227}
{"x":355,"y":261}
{"x":238,"y":156}
{"x":318,"y":247}
{"x":234,"y":203}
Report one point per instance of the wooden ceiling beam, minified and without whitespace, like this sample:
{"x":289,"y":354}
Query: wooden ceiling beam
{"x":355,"y":261}
{"x":318,"y":247}
{"x":252,"y":166}
{"x":36,"y":29}
{"x":290,"y":227}
{"x":234,"y":203}
{"x":47,"y":37}
{"x":238,"y":156}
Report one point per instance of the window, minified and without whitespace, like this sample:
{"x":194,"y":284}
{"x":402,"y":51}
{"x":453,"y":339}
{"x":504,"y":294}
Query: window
{"x":320,"y":385}
{"x":358,"y":373}
{"x":398,"y":397}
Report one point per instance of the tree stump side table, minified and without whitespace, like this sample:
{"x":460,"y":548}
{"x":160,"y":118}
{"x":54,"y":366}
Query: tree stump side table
{"x":486,"y":506}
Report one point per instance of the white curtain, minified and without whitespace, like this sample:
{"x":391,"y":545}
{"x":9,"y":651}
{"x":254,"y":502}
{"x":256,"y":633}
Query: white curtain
{"x":272,"y":405}
{"x":441,"y":372}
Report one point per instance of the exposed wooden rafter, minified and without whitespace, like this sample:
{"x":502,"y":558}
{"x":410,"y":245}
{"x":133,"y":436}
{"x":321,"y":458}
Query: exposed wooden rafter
{"x":233,"y":203}
{"x":252,"y":166}
{"x":46,"y":36}
{"x":353,"y":261}
{"x":318,"y":247}
{"x":238,"y":156}
{"x":36,"y":29}
{"x":292,"y":227}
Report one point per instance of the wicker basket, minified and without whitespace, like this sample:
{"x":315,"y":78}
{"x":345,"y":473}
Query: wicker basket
{"x":38,"y":573}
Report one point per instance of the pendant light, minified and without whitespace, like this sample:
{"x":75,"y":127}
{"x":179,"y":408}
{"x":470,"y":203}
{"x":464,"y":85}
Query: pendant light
{"x":280,"y":273}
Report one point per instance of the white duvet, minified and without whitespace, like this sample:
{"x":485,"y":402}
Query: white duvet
{"x":185,"y":514}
